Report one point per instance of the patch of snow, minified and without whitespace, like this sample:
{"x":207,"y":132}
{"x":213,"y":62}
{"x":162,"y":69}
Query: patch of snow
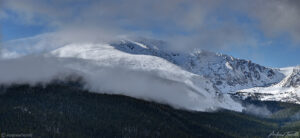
{"x":228,"y":65}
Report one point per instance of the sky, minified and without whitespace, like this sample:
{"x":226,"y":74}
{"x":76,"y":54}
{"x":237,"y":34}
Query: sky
{"x":266,"y":32}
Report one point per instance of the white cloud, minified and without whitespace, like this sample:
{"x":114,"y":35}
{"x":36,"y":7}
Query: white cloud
{"x":156,"y":85}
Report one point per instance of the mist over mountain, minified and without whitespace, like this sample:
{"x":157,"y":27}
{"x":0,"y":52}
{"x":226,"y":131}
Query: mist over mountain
{"x":147,"y":69}
{"x":116,"y":84}
{"x":159,"y":68}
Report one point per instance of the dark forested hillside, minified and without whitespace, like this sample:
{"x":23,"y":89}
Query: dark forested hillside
{"x":65,"y":110}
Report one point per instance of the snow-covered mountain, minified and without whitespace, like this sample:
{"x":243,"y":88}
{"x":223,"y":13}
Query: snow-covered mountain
{"x":293,"y":80}
{"x":148,"y":69}
{"x":227,"y":74}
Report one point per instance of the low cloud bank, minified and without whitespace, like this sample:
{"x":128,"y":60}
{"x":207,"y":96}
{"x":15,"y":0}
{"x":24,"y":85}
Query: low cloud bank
{"x":147,"y":85}
{"x":31,"y":70}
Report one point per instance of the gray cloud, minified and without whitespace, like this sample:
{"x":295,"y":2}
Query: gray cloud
{"x":212,"y":25}
{"x":276,"y":17}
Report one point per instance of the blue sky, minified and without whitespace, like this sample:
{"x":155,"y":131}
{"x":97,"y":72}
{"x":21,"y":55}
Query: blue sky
{"x":266,"y":32}
{"x":12,"y":30}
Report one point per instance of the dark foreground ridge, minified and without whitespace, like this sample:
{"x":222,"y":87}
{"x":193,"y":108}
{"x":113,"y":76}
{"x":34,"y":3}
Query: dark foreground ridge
{"x":58,"y":110}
